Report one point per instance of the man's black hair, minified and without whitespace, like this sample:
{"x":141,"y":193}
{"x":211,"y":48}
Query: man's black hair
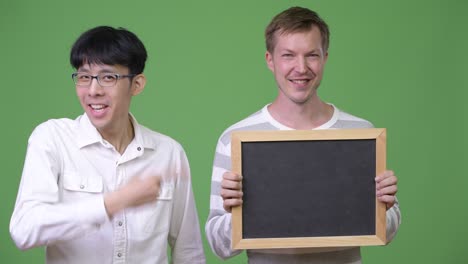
{"x":110,"y":46}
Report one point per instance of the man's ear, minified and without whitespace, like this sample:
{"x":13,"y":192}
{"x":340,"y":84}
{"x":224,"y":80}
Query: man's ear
{"x":138,"y":84}
{"x":269,"y":61}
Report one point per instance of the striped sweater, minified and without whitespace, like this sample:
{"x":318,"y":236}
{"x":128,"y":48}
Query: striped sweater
{"x":218,"y":225}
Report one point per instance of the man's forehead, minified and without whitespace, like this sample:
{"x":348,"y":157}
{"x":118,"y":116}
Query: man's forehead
{"x":101,"y":67}
{"x":297,"y":29}
{"x":310,"y":38}
{"x":314,"y":30}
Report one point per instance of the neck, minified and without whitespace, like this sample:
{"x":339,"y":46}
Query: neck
{"x":305,"y":116}
{"x":120,"y":136}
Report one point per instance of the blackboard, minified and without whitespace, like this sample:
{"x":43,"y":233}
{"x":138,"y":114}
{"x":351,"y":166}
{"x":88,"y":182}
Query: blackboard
{"x":308,"y":188}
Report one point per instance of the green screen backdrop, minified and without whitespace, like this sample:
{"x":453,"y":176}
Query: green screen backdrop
{"x":400,"y":64}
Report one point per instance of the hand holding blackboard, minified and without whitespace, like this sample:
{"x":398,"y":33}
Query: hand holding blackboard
{"x":231,"y":190}
{"x":330,"y":180}
{"x":386,"y":188}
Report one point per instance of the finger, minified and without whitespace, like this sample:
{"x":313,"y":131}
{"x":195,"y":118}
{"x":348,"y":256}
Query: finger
{"x":389,"y":200}
{"x":229,"y":203}
{"x":229,"y":175}
{"x":389,"y":190}
{"x":151,"y":185}
{"x":232,"y":185}
{"x":152,"y":180}
{"x":389,"y":181}
{"x":384,"y":175}
{"x":228,"y":194}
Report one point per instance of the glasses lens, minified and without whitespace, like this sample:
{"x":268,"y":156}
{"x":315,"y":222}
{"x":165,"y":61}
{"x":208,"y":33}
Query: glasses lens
{"x":82,"y":79}
{"x":107,"y":79}
{"x":104,"y":79}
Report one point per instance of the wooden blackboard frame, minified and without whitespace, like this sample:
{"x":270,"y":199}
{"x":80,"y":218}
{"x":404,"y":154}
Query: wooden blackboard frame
{"x":379,"y":238}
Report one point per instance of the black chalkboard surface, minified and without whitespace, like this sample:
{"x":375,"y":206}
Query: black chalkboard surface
{"x":308,"y":188}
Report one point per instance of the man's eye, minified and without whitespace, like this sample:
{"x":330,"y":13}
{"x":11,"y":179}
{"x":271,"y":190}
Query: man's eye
{"x":84,"y":77}
{"x":108,"y":77}
{"x":286,"y":55}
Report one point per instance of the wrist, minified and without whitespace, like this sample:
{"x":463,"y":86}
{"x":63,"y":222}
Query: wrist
{"x":114,"y":202}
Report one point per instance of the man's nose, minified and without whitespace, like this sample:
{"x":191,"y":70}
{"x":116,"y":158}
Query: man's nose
{"x":301,"y":65}
{"x":94,"y":87}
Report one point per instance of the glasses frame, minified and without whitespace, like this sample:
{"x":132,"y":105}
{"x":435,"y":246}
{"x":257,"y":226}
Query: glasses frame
{"x":116,"y":75}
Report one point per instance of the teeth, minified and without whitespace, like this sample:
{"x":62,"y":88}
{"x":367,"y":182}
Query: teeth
{"x":97,"y":107}
{"x":299,"y":81}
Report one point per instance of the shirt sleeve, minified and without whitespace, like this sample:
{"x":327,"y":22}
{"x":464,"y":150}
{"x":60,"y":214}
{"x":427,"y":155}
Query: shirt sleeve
{"x":393,"y":221}
{"x":184,"y":234}
{"x":40,"y":217}
{"x":218,"y":225}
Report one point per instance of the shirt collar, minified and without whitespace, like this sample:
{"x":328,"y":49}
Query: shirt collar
{"x":87,"y":134}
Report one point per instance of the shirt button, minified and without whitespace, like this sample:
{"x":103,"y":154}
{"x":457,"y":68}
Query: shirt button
{"x":119,"y":255}
{"x":120,"y":223}
{"x":138,"y":148}
{"x":82,"y":186}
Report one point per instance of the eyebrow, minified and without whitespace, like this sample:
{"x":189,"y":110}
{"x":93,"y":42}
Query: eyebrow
{"x":311,"y":51}
{"x":102,"y":70}
{"x":287,"y":50}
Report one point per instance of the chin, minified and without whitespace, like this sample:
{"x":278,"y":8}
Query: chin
{"x":300,"y":102}
{"x":301,"y":99}
{"x":99,"y":125}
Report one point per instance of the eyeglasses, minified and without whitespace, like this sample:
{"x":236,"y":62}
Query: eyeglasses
{"x":104,"y":79}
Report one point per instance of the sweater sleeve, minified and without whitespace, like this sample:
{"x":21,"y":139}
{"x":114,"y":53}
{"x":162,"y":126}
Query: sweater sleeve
{"x":393,"y":221}
{"x":218,"y":225}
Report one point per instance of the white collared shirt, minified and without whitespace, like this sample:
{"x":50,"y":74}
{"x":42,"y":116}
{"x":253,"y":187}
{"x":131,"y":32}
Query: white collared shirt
{"x":60,"y":203}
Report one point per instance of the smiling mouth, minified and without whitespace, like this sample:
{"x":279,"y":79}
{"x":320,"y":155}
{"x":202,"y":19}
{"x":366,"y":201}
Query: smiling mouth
{"x":97,"y":107}
{"x":299,"y":81}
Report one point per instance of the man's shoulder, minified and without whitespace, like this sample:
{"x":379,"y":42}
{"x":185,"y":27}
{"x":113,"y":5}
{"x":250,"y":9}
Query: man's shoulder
{"x":60,"y":122}
{"x":256,"y":121}
{"x":248,"y":121}
{"x":55,"y":125}
{"x":347,"y":120}
{"x":57,"y":132}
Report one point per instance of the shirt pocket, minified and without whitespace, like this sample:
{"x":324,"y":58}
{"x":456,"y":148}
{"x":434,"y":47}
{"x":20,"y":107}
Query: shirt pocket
{"x":155,"y":217}
{"x":76,"y":186}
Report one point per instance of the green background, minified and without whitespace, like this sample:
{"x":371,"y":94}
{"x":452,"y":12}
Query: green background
{"x":400,"y":64}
